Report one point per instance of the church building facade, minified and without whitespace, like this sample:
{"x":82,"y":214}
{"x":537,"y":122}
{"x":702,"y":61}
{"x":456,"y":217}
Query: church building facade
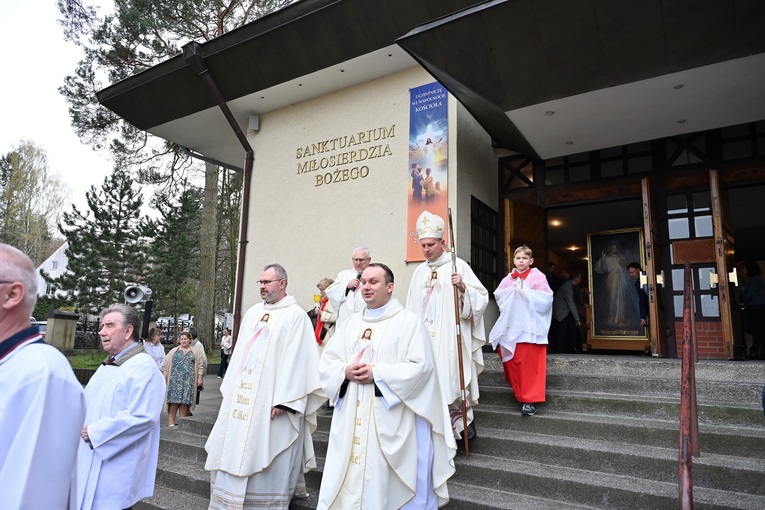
{"x":599,"y":134}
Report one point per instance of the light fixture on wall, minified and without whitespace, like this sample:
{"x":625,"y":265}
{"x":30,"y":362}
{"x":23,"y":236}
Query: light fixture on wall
{"x":254,"y":124}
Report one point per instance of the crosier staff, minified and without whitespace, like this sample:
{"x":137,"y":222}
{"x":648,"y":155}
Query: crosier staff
{"x":463,"y":393}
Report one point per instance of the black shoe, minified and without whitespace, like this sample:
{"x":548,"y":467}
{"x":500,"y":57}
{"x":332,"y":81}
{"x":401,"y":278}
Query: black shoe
{"x":528,"y":410}
{"x":471,"y":432}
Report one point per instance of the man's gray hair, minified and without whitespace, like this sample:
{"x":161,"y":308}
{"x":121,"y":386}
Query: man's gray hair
{"x":130,"y":317}
{"x":367,"y":255}
{"x":16,"y":266}
{"x":281,"y":273}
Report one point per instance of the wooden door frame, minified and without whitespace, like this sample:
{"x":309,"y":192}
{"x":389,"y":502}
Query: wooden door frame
{"x":657,"y":328}
{"x":724,"y":248}
{"x":513,"y":239}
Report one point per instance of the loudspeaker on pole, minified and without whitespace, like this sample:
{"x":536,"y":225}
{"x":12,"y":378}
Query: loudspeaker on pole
{"x":137,"y":293}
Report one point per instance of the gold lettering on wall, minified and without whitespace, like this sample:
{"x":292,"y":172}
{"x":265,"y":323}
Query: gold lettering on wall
{"x":337,"y":159}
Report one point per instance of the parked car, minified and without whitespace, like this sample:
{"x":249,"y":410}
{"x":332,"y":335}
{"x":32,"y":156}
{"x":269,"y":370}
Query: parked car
{"x":164,"y":322}
{"x":43,"y":326}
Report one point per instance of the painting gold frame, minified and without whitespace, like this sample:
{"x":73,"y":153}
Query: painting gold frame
{"x":614,"y":299}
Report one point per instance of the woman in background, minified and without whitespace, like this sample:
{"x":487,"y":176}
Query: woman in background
{"x":154,"y":347}
{"x":225,"y":352}
{"x":183,"y":374}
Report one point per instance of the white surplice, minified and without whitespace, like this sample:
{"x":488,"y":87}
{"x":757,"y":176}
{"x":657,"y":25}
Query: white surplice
{"x":344,"y":304}
{"x":256,"y":461}
{"x":390,"y":451}
{"x":525,"y":312}
{"x":42,"y":408}
{"x":124,"y":404}
{"x":433,"y":301}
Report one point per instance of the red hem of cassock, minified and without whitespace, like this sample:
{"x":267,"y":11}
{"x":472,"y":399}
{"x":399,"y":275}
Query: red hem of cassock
{"x":526,"y":373}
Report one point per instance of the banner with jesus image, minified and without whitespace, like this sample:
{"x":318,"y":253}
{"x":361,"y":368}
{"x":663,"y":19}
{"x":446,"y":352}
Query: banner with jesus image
{"x":428,"y":162}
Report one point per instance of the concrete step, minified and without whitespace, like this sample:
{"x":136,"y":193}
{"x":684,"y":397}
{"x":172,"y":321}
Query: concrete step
{"x":734,"y":414}
{"x":166,"y":498}
{"x":483,"y":483}
{"x":170,"y":499}
{"x":180,"y":473}
{"x":606,"y":438}
{"x":597,"y":490}
{"x":715,"y":381}
{"x":524,"y":440}
{"x":707,"y":391}
{"x":473,"y":497}
{"x":629,"y":367}
{"x":721,"y":440}
{"x":722,"y":472}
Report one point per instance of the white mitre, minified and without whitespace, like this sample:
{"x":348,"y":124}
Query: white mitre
{"x":430,"y":225}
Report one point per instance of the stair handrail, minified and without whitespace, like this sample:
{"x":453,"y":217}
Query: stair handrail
{"x":689,"y":419}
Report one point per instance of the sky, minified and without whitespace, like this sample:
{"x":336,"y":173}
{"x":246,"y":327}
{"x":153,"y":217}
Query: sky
{"x":36,"y":61}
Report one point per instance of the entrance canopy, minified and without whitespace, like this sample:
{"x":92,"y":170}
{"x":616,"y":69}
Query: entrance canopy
{"x":544,"y":77}
{"x":308,"y":49}
{"x":549,"y":78}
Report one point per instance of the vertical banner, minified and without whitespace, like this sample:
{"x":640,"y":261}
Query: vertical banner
{"x":428,"y":163}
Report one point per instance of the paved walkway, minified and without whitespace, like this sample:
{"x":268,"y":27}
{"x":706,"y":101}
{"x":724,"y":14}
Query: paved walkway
{"x":209,"y":402}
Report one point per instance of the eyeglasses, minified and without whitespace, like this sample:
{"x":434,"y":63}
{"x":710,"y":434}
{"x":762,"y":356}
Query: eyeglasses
{"x":3,"y":281}
{"x":266,"y":282}
{"x":360,"y":260}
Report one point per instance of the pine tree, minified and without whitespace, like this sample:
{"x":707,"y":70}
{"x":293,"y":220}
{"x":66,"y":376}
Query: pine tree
{"x":174,"y":251}
{"x":106,"y":249}
{"x":136,"y":36}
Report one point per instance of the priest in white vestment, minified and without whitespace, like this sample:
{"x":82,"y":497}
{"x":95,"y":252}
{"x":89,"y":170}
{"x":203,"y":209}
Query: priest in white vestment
{"x":117,"y":458}
{"x":390,"y":444}
{"x":431,"y":297}
{"x":42,"y":406}
{"x":261,"y":444}
{"x":344,"y":294}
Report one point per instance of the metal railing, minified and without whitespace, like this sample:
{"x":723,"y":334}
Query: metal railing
{"x":689,"y":418}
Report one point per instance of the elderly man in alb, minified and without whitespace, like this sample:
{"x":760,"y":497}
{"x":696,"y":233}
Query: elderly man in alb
{"x":117,"y":460}
{"x":261,"y":444}
{"x":41,"y":402}
{"x":390,"y":444}
{"x":344,"y":294}
{"x":431,"y":297}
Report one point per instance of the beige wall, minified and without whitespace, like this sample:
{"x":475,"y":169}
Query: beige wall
{"x":476,"y":176}
{"x":312,"y":227}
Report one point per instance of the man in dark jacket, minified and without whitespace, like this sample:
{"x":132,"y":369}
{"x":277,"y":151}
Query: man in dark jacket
{"x":635,"y":271}
{"x":566,"y":316}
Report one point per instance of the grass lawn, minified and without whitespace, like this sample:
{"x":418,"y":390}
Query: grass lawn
{"x":94,"y":359}
{"x":91,"y":360}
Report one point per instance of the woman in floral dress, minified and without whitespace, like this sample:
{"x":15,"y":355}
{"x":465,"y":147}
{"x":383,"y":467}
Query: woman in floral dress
{"x":183,"y":373}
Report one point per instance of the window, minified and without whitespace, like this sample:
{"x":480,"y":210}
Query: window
{"x":689,"y":218}
{"x":635,"y":158}
{"x":484,"y":243}
{"x":743,"y":141}
{"x":573,"y":168}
